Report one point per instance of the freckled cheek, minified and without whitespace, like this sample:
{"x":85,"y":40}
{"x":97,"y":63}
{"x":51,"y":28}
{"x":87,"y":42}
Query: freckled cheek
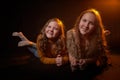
{"x":92,"y":28}
{"x":79,"y":26}
{"x":56,"y":33}
{"x":46,"y":30}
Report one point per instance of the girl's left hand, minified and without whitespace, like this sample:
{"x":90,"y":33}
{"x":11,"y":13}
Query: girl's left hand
{"x":82,"y":62}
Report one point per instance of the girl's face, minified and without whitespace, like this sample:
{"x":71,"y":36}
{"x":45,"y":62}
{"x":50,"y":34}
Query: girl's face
{"x":87,"y":23}
{"x":52,"y":30}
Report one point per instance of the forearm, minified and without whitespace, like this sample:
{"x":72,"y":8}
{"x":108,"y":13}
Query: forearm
{"x":47,"y":60}
{"x":90,"y":60}
{"x":44,"y":59}
{"x":65,"y":59}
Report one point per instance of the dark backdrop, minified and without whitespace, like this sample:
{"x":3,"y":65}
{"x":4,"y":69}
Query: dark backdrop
{"x":29,"y":16}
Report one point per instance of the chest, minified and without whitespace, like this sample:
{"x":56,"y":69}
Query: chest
{"x":51,"y":50}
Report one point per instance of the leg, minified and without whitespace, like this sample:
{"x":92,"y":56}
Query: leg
{"x":32,"y":48}
{"x":20,"y":35}
{"x":25,"y":42}
{"x":34,"y":51}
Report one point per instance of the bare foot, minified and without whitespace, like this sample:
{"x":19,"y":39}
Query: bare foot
{"x":20,"y":35}
{"x":24,"y":43}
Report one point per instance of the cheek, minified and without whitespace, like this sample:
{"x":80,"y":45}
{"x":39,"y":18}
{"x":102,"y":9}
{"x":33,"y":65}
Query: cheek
{"x":56,"y":33}
{"x":92,"y":28}
{"x":79,"y":25}
{"x":46,"y":30}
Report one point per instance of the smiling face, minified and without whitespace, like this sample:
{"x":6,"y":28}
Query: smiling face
{"x":87,"y":23}
{"x":52,"y":30}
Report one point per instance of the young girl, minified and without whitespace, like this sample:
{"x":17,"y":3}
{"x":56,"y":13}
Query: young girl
{"x":50,"y":46}
{"x":86,"y":43}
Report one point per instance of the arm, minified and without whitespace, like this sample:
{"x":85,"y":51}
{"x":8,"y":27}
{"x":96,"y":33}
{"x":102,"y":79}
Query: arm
{"x":72,"y":60}
{"x":43,"y":58}
{"x":71,"y":48}
{"x":47,"y":60}
{"x":91,"y":60}
{"x":65,"y":59}
{"x":62,"y":59}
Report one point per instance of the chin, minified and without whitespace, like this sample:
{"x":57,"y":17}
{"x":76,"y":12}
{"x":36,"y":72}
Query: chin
{"x":49,"y":36}
{"x":83,"y":33}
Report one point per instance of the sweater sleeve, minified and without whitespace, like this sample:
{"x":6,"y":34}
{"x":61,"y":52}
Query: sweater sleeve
{"x":71,"y":47}
{"x":44,"y":59}
{"x":65,"y":58}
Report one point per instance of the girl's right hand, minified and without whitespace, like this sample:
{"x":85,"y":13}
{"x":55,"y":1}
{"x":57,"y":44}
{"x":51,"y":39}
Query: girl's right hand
{"x":73,"y":61}
{"x":59,"y":60}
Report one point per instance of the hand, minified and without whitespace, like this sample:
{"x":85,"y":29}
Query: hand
{"x":59,"y":60}
{"x":82,"y":62}
{"x":73,"y":60}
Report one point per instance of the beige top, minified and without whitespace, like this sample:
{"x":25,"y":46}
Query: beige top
{"x":93,"y":51}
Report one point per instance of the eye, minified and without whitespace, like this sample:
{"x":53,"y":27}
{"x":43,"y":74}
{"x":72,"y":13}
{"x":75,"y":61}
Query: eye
{"x":56,"y":28}
{"x":49,"y":26}
{"x":84,"y":20}
{"x":92,"y":23}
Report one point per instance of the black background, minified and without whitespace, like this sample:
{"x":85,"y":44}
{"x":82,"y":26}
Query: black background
{"x":28,"y":16}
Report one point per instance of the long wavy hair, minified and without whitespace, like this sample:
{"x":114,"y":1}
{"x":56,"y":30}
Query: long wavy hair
{"x":97,"y":35}
{"x":42,"y":40}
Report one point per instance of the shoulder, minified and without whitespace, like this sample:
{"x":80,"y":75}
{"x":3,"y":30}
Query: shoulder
{"x":70,"y":34}
{"x":70,"y":31}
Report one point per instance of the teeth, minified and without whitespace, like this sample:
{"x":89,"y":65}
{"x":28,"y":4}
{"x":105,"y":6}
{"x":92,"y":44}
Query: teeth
{"x":50,"y":33}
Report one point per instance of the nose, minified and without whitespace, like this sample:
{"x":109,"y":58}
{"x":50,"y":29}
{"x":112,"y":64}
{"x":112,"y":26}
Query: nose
{"x":51,"y":29}
{"x":87,"y":25}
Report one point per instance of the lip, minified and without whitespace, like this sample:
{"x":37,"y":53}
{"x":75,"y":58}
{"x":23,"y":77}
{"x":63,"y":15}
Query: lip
{"x":84,"y":30}
{"x":50,"y":33}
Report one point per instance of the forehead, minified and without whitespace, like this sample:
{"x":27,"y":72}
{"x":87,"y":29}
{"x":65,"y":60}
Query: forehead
{"x":90,"y":16}
{"x":53,"y":23}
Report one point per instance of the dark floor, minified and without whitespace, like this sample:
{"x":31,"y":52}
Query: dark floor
{"x":27,"y":67}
